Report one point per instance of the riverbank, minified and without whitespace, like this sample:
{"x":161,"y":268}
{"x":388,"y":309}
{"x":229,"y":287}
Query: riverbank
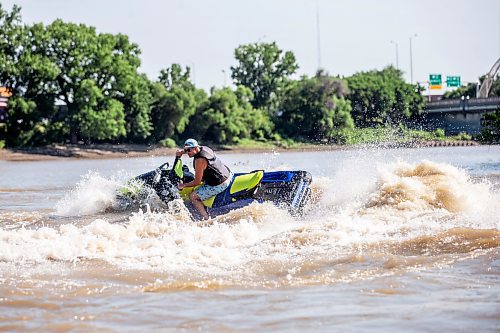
{"x":110,"y":151}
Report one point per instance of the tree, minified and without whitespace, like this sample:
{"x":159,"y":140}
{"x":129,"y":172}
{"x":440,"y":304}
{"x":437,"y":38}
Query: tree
{"x":468,"y":90}
{"x":111,"y":62}
{"x":315,"y":108}
{"x":175,"y":101}
{"x":471,"y":88}
{"x":98,"y":117}
{"x":227,"y":117}
{"x":48,"y":65}
{"x":490,"y":132}
{"x":264,"y":69}
{"x":383,"y":98}
{"x":25,"y":73}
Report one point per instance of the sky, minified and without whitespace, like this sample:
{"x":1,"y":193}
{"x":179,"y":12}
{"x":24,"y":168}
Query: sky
{"x":448,"y":37}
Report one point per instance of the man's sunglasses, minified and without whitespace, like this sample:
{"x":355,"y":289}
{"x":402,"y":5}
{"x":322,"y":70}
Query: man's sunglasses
{"x":187,"y":150}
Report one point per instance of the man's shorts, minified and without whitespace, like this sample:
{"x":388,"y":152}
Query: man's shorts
{"x":207,"y":191}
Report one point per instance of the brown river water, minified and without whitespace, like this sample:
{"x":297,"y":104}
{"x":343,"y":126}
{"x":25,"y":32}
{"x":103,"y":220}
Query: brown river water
{"x":395,"y":240}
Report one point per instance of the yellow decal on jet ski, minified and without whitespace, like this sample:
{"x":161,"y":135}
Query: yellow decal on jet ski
{"x":186,"y":191}
{"x":178,"y":168}
{"x":246,"y":181}
{"x":240,"y":183}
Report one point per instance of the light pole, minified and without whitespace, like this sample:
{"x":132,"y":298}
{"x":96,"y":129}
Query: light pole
{"x":465,"y":103}
{"x":193,"y":72}
{"x":318,"y":37}
{"x":397,"y":53}
{"x":411,"y":59}
{"x":224,"y":73}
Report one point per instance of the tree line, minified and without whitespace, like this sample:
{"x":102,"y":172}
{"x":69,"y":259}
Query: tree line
{"x":70,"y":83}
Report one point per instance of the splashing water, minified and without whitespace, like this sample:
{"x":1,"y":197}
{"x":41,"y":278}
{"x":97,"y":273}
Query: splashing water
{"x":92,"y":195}
{"x":95,"y":194}
{"x":406,"y":201}
{"x":379,"y":238}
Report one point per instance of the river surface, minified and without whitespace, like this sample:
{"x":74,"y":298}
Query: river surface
{"x":403,"y":240}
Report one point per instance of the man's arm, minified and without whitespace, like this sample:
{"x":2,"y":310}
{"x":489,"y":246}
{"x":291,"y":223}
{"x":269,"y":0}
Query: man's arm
{"x":200,"y":166}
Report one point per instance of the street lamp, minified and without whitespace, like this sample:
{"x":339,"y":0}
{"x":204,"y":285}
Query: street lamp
{"x":465,"y":103}
{"x":193,"y":72}
{"x":318,"y":38}
{"x":224,"y":73}
{"x":411,"y":59}
{"x":397,"y":56}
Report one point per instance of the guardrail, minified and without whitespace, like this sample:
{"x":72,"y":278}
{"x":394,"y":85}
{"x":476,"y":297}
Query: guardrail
{"x":459,"y":103}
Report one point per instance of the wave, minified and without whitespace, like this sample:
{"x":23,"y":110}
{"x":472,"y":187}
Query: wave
{"x":92,"y":195}
{"x":396,"y":215}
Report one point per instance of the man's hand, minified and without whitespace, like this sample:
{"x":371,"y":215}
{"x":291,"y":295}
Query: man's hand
{"x":179,"y":152}
{"x":180,"y":186}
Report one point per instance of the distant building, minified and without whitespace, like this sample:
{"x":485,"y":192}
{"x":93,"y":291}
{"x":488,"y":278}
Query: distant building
{"x":4,"y":98}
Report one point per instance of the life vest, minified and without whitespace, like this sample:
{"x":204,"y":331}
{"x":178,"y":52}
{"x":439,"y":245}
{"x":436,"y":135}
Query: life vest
{"x":216,"y":172}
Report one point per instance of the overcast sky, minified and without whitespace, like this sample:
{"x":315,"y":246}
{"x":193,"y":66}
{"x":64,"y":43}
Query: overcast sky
{"x":454,"y":37}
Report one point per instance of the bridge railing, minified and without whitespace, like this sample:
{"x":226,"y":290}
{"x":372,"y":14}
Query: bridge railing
{"x":452,"y":103}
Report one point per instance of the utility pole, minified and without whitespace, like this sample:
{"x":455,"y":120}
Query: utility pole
{"x":194,"y":73}
{"x":318,"y":35}
{"x":224,"y":73}
{"x":411,"y":59}
{"x":397,"y":53}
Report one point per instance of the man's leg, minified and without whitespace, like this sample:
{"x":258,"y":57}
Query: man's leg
{"x":198,"y":204}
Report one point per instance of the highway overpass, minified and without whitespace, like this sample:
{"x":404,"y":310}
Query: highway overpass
{"x":459,"y":115}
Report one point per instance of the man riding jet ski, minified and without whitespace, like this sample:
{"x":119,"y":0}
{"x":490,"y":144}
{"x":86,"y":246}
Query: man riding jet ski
{"x":288,"y":189}
{"x":212,"y":176}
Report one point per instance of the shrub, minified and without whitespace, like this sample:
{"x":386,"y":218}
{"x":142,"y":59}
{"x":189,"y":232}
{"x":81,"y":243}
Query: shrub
{"x":168,"y":142}
{"x":439,"y":133}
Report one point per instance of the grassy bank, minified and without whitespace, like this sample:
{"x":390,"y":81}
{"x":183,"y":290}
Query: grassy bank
{"x":396,"y":136}
{"x":381,"y":137}
{"x":356,"y":137}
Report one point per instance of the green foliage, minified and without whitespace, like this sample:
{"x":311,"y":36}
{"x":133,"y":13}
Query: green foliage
{"x":468,"y":90}
{"x":111,"y":63}
{"x":20,"y":131}
{"x":175,"y":101}
{"x":383,"y":98}
{"x":495,"y":88}
{"x":393,"y":135}
{"x":168,"y":142}
{"x":2,"y":144}
{"x":490,"y":133}
{"x":227,"y":117}
{"x":439,"y":132}
{"x":12,"y":35}
{"x":175,"y":77}
{"x":471,"y":88}
{"x":315,"y":108}
{"x":61,"y":63}
{"x":462,"y":136}
{"x":264,"y":69}
{"x":134,"y":92}
{"x":70,"y":82}
{"x":98,"y":117}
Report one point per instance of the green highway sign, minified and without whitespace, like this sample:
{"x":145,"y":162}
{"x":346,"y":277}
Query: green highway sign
{"x":453,"y":81}
{"x":435,"y":79}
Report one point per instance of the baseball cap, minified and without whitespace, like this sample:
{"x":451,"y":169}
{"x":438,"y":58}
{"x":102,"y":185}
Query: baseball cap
{"x":191,"y":143}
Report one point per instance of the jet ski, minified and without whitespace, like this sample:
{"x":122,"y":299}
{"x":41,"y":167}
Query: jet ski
{"x":287,"y":189}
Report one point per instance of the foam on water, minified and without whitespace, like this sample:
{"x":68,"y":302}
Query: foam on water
{"x":148,"y":240}
{"x":95,"y":194}
{"x":92,"y":195}
{"x":352,"y":210}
